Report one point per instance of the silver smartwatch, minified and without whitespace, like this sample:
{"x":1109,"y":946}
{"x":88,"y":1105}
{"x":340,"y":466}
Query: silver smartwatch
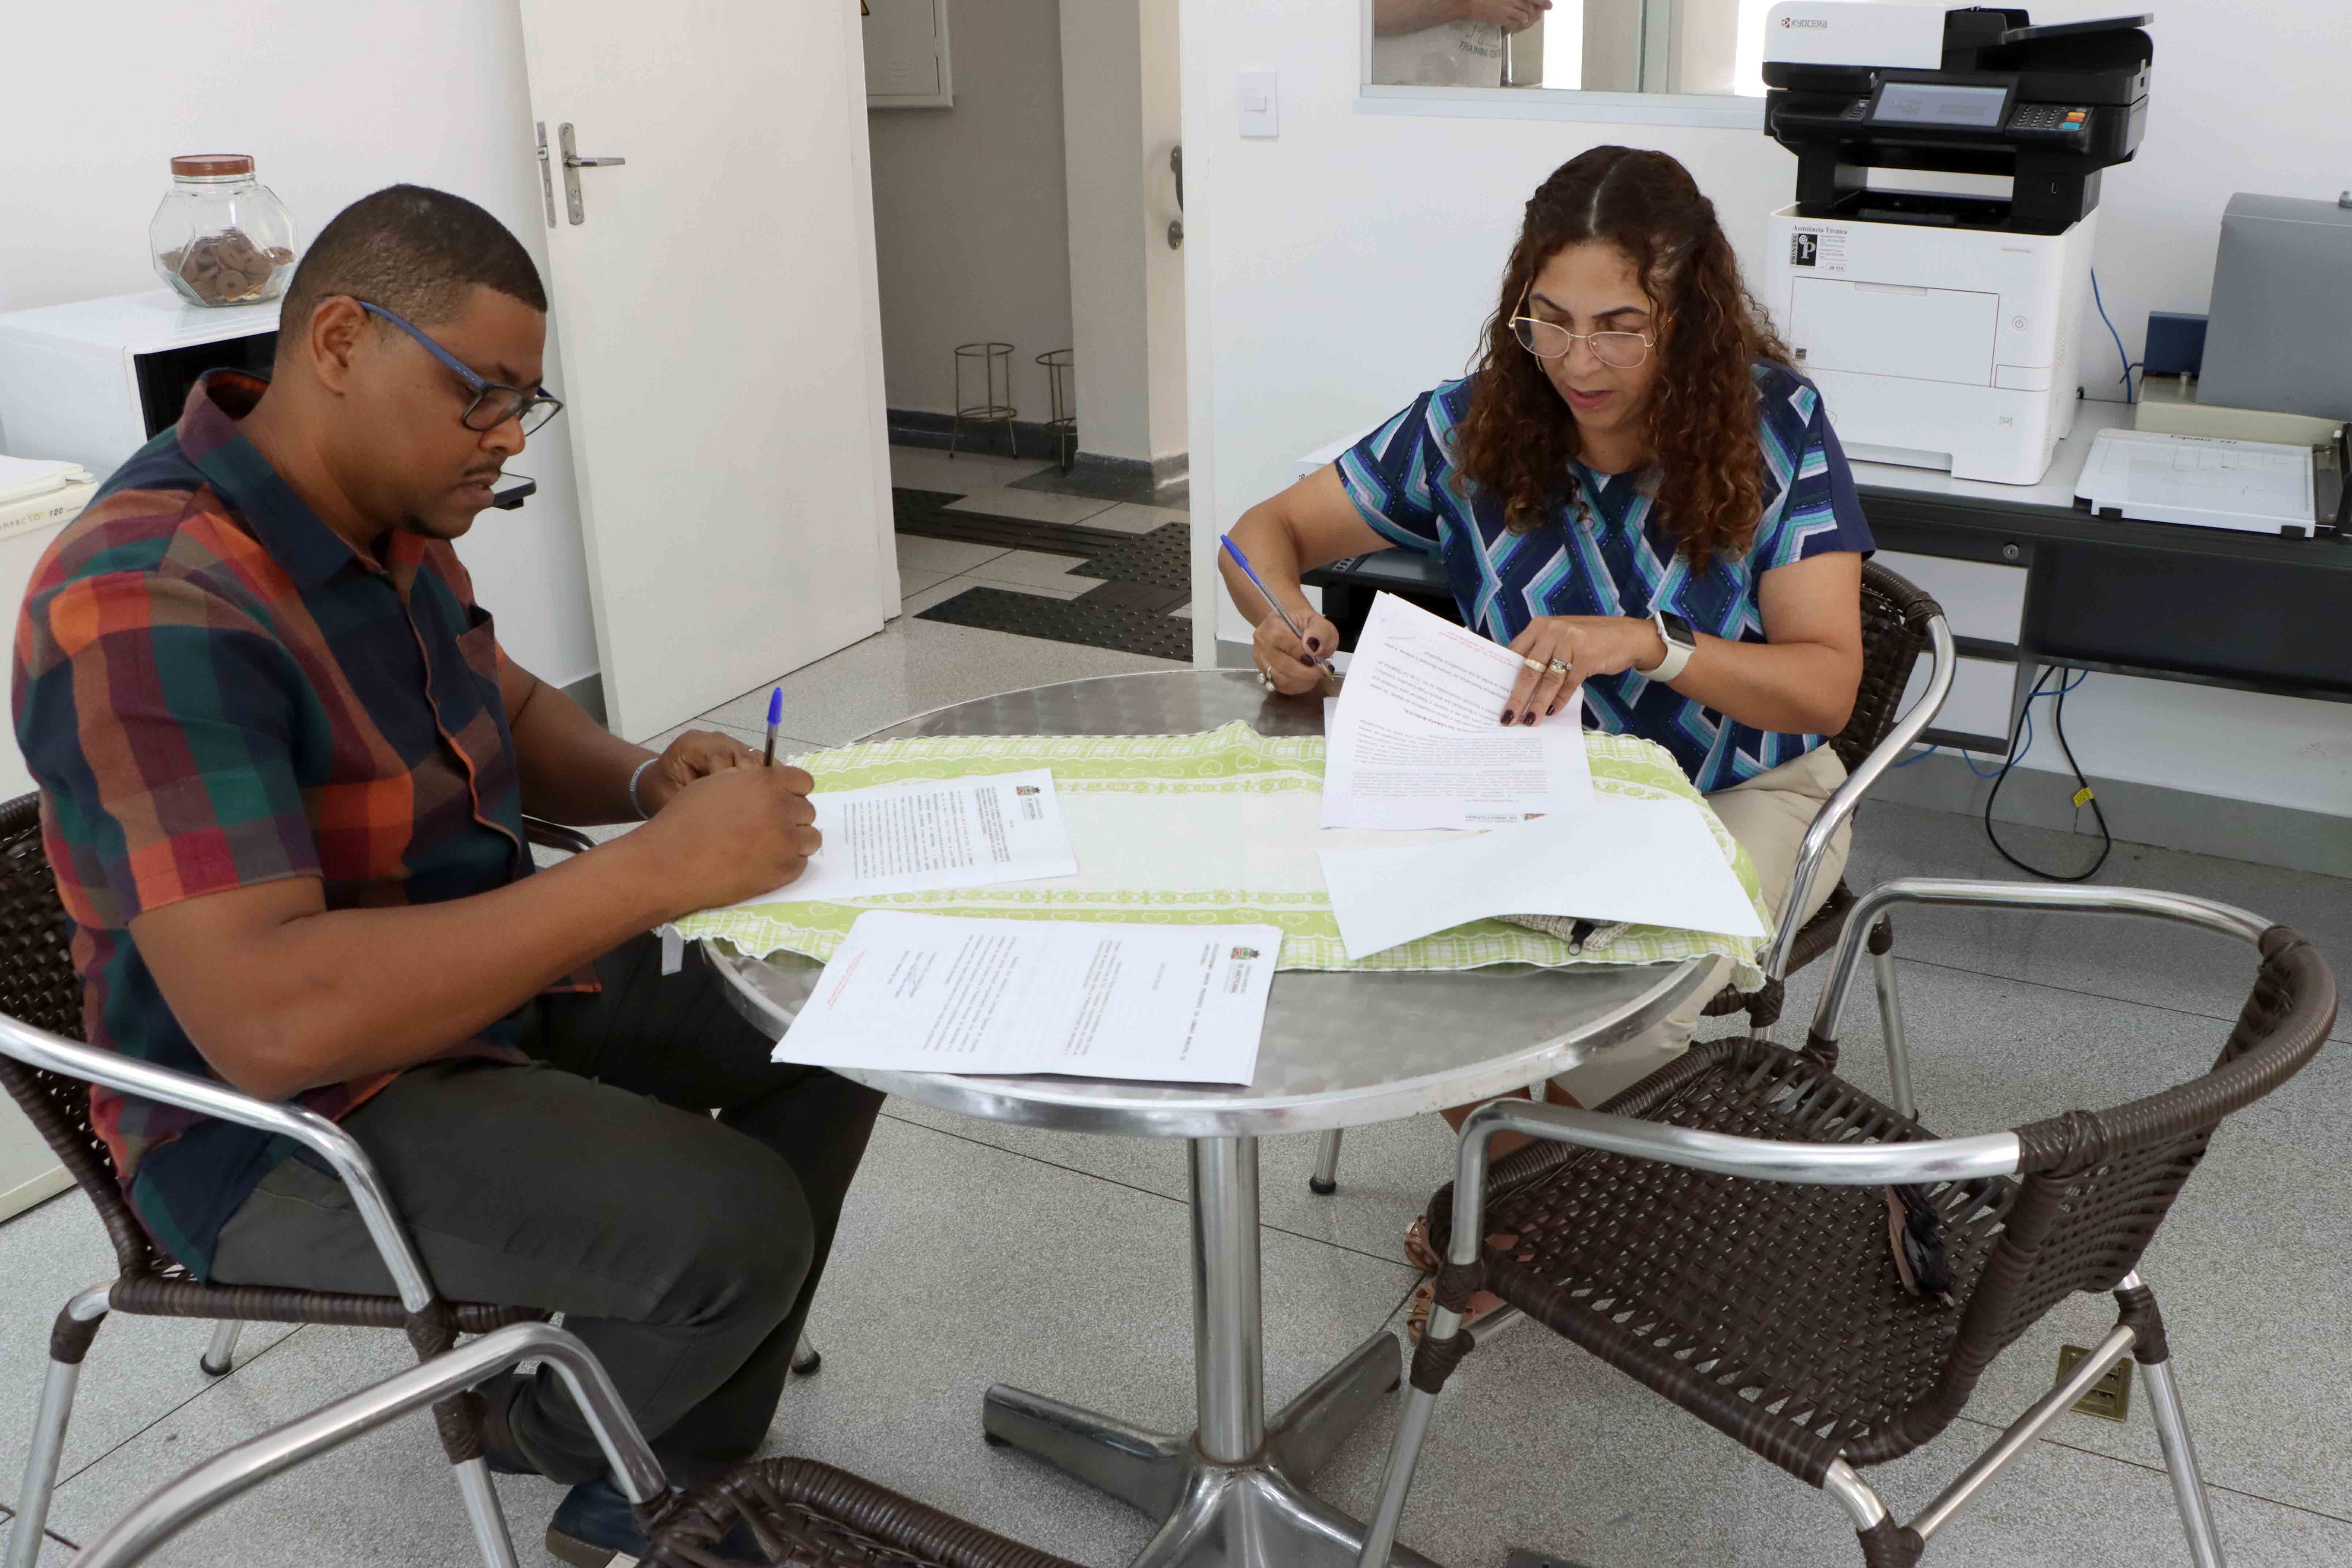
{"x":1681,"y":643}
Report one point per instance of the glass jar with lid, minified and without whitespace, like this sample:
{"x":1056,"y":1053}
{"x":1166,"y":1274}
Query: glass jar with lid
{"x":220,"y":237}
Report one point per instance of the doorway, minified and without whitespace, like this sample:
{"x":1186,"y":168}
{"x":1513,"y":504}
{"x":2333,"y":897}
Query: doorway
{"x":1027,"y":194}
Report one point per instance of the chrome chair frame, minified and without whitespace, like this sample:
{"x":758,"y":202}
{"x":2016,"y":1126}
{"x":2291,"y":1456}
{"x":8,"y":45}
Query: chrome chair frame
{"x":349,"y":1164}
{"x":1846,"y":1164}
{"x":177,"y":1504}
{"x":1834,"y":814}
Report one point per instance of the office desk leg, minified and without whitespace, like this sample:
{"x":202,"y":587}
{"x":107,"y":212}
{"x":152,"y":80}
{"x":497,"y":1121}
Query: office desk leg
{"x":1231,"y":1493}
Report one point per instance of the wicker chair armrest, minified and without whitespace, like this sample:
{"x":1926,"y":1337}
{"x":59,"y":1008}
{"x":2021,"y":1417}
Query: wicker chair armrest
{"x":556,"y":835}
{"x":179,"y":1503}
{"x":1761,"y":1159}
{"x":315,"y":1132}
{"x":1829,"y":1017}
{"x":1834,"y":814}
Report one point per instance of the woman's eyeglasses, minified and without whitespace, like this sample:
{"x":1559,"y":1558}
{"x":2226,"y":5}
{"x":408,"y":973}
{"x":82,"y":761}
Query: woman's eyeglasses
{"x":1549,"y":340}
{"x":493,"y":404}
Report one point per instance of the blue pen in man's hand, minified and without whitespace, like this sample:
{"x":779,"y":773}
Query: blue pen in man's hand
{"x":1250,"y":571}
{"x":775,"y":716}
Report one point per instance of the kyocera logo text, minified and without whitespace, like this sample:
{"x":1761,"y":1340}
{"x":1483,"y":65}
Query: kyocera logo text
{"x":1814,"y":22}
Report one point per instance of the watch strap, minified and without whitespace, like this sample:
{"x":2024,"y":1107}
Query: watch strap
{"x":1678,"y":650}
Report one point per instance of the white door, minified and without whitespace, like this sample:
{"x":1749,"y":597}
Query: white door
{"x":716,"y":306}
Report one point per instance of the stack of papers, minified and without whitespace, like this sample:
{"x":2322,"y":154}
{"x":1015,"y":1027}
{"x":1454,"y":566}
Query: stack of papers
{"x":917,"y":993}
{"x":1416,"y":738}
{"x":22,"y":479}
{"x":1651,"y":862}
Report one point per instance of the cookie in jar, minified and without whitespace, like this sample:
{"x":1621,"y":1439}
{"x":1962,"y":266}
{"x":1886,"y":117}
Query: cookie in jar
{"x":220,"y":237}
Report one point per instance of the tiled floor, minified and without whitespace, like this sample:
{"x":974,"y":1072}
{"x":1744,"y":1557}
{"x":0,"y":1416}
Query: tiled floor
{"x":977,"y":522}
{"x":972,"y":1253}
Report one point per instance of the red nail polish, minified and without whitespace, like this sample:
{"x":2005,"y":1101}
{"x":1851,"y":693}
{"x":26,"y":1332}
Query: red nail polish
{"x":1509,"y":717}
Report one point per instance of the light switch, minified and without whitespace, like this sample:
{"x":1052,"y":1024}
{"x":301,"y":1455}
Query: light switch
{"x":1261,"y":106}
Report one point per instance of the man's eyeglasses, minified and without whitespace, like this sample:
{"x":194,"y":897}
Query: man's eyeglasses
{"x":1549,"y":340}
{"x":493,"y":403}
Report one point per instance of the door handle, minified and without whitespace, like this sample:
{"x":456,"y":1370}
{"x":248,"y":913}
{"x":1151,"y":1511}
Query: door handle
{"x":1176,"y":224}
{"x":573,"y":163}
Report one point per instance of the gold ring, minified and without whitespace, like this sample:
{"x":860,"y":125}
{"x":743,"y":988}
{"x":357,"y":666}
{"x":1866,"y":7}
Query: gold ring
{"x":1559,"y":668}
{"x":1535,"y":664}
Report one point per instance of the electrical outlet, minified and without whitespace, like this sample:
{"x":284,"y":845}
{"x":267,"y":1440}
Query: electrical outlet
{"x":2109,"y":1399}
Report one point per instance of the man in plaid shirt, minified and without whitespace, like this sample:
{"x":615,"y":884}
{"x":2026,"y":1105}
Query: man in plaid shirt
{"x":284,"y":766}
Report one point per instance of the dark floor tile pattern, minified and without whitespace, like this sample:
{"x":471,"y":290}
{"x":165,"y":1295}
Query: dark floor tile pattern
{"x":1162,"y":558}
{"x":1147,"y":632}
{"x":1144,"y":577}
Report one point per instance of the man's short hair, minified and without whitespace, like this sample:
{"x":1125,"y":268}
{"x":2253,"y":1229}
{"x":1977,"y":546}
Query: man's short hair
{"x":415,"y":251}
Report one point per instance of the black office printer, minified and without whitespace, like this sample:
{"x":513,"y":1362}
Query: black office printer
{"x":1857,"y":85}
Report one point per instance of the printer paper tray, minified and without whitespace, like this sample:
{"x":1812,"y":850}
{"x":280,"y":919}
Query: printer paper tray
{"x":2255,"y":487}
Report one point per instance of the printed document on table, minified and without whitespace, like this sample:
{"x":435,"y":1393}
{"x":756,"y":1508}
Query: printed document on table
{"x":921,"y":993}
{"x":1652,"y":862}
{"x":925,"y":834}
{"x":1416,"y":738}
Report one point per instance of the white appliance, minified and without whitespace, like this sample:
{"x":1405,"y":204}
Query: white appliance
{"x":1936,"y":348}
{"x":1938,"y":307}
{"x":91,"y":381}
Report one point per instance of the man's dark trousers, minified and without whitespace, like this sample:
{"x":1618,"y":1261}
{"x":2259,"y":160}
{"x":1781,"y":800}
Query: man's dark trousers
{"x":595,"y":1183}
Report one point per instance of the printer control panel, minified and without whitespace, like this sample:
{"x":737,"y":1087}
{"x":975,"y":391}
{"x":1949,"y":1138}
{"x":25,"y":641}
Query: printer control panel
{"x":2058,"y":122}
{"x":2049,"y":120}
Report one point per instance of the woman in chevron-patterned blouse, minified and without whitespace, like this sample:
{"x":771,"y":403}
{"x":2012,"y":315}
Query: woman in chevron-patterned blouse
{"x":1635,"y":493}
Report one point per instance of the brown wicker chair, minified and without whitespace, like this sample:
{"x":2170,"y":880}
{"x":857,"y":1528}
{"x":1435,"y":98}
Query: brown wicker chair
{"x":49,"y":1074}
{"x":1898,"y":624}
{"x":795,"y":1513}
{"x":1718,"y":1232}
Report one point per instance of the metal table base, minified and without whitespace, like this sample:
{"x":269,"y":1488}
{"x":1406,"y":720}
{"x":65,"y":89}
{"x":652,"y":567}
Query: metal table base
{"x":1231,"y":1492}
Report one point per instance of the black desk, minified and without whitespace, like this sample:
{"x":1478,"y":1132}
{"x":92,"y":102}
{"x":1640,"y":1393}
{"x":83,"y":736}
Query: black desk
{"x":2169,"y":602}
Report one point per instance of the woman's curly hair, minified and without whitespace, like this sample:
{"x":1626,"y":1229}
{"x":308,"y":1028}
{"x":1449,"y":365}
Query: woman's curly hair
{"x":1518,"y":437}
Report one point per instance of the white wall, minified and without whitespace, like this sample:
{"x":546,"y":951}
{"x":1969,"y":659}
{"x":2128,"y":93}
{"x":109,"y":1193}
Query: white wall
{"x":1337,"y":271}
{"x":333,"y":101}
{"x":970,"y":225}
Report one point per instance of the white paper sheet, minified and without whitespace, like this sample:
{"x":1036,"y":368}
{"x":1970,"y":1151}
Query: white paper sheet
{"x":1649,"y":861}
{"x":1416,"y":738}
{"x":926,"y":834}
{"x":947,"y":993}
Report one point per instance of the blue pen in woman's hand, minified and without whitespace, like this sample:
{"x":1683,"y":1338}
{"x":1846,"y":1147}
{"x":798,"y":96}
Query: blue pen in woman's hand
{"x":1250,"y":571}
{"x":775,"y":716}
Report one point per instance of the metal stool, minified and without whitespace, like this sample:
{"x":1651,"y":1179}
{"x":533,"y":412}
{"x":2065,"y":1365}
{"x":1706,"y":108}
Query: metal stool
{"x":1060,"y":390}
{"x":995,"y":405}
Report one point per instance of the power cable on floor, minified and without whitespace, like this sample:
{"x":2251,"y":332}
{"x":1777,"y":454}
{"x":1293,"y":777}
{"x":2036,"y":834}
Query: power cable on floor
{"x":2083,"y":794}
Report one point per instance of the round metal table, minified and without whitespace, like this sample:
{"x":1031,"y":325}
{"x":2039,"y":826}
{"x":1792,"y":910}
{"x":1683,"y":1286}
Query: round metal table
{"x":1340,"y":1049}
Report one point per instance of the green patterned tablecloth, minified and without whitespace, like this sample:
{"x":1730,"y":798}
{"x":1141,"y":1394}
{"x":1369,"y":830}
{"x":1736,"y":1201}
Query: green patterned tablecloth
{"x":1234,"y":760}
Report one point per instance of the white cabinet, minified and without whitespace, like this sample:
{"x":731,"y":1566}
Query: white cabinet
{"x":907,"y":55}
